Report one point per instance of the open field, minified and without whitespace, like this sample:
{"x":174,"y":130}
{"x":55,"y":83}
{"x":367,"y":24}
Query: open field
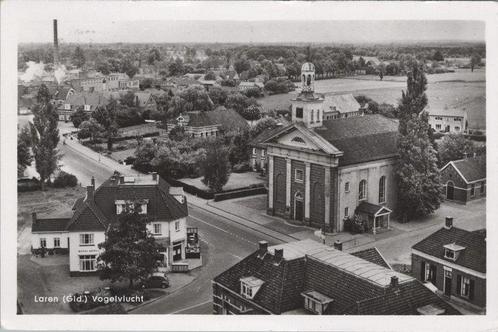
{"x":463,"y":90}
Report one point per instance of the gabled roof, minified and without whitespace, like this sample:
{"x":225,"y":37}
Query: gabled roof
{"x":446,"y":112}
{"x":49,"y":225}
{"x":372,"y":255}
{"x":345,"y":103}
{"x":143,"y":98}
{"x":225,"y":118}
{"x":352,"y":284}
{"x":372,"y":209}
{"x":98,"y":213}
{"x":472,"y":257}
{"x":470,"y":169}
{"x":94,"y":99}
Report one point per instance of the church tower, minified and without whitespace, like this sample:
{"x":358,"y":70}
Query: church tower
{"x":307,"y":107}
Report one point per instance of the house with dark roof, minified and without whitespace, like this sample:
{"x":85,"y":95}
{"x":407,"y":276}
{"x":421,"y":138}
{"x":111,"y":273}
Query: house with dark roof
{"x":93,"y":215}
{"x":341,"y":106}
{"x":88,"y":101}
{"x":464,"y":180}
{"x":454,"y":261}
{"x":210,"y":123}
{"x":307,"y":277}
{"x":322,"y":172}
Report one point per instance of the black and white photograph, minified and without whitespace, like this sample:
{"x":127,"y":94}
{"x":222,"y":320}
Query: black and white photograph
{"x":177,"y":159}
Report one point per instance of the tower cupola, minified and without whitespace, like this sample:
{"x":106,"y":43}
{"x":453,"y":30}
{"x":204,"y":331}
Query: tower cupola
{"x":308,"y":77}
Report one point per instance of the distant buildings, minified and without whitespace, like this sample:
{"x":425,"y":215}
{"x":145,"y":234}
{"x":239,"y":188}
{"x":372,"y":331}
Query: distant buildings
{"x":102,"y":83}
{"x":88,"y":101}
{"x":205,"y":124}
{"x":454,"y":261}
{"x":341,"y":106}
{"x":448,"y":121}
{"x":464,"y":180}
{"x":92,"y":215}
{"x":307,"y":277}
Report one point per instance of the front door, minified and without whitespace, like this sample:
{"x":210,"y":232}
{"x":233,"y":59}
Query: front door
{"x":447,"y":282}
{"x":177,"y":252}
{"x":450,"y":189}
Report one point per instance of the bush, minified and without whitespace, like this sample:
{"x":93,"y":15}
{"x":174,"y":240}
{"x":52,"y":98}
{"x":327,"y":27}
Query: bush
{"x":244,"y":192}
{"x":24,"y":185}
{"x":355,"y":225}
{"x":65,"y":180}
{"x":241,"y":167}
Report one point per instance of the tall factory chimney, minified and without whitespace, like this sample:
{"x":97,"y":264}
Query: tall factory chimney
{"x":56,"y":44}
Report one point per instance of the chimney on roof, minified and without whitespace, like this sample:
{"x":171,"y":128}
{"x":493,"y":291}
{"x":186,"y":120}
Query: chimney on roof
{"x":92,"y":181}
{"x":394,"y":281}
{"x":263,"y":248}
{"x":448,"y":223}
{"x":279,"y":254}
{"x":33,"y":217}
{"x":338,"y":245}
{"x":89,"y":193}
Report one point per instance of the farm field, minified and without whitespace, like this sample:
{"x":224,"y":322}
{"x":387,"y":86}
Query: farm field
{"x":463,"y":90}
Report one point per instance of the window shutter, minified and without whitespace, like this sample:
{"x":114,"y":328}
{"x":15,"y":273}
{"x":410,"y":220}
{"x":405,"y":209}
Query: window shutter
{"x":422,"y":271}
{"x":459,"y":284}
{"x":471,"y":289}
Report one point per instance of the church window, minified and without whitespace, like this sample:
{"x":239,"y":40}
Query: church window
{"x":362,"y":193}
{"x":382,"y":189}
{"x":299,"y":112}
{"x":299,"y":175}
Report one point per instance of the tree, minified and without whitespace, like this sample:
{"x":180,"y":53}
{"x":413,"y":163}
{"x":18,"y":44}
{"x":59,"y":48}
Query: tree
{"x":241,"y":65}
{"x":381,"y":74}
{"x":154,"y":56}
{"x":79,"y":116}
{"x":254,"y":92}
{"x":417,"y":174}
{"x":237,"y":102}
{"x":130,"y":250}
{"x":210,"y":76}
{"x":106,"y":117}
{"x":198,"y":98}
{"x":263,"y":125}
{"x":438,"y":56}
{"x":218,"y":96}
{"x":89,"y":129}
{"x":78,"y":57}
{"x":454,"y":147}
{"x":129,"y":68}
{"x":128,"y":99}
{"x":251,"y":113}
{"x":239,"y":147}
{"x":146,"y":83}
{"x":24,"y":157}
{"x":475,"y":60}
{"x":216,"y":167}
{"x":176,"y":68}
{"x":45,"y":135}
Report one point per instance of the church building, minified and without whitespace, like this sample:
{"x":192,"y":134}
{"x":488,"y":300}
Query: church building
{"x":321,"y":172}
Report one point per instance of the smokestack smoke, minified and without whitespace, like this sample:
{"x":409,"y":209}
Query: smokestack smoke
{"x":56,"y":44}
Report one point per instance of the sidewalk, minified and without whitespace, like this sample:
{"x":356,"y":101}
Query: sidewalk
{"x":106,"y":161}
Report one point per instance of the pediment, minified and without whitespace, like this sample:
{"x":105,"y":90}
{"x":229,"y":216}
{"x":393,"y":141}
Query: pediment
{"x":297,"y":139}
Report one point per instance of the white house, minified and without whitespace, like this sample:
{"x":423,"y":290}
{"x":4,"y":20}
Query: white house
{"x":93,"y":215}
{"x":445,"y":120}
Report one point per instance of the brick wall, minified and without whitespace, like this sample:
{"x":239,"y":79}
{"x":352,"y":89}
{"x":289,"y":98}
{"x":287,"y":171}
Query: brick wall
{"x":279,"y":178}
{"x":479,"y":298}
{"x":317,"y":204}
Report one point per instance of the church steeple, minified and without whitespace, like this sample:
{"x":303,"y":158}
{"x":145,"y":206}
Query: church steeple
{"x":307,"y":108}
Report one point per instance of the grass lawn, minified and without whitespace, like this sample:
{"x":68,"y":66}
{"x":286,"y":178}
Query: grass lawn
{"x":141,"y":130}
{"x":236,"y":180}
{"x":464,"y":90}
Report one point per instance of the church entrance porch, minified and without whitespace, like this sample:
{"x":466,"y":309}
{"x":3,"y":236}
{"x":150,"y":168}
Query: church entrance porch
{"x":376,"y":216}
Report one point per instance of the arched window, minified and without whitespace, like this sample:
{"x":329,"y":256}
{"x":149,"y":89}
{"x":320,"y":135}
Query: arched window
{"x":382,"y":189}
{"x":362,"y":192}
{"x":298,"y":140}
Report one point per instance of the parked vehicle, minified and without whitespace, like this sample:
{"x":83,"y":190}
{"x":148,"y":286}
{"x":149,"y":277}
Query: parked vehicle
{"x":156,"y":280}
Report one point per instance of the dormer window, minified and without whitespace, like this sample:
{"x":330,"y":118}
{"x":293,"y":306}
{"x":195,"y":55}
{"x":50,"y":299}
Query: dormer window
{"x":316,"y":302}
{"x":87,"y":108}
{"x":249,"y":286}
{"x":451,"y":251}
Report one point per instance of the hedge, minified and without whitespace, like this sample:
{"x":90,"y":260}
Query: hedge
{"x":125,"y":138}
{"x":239,"y":193}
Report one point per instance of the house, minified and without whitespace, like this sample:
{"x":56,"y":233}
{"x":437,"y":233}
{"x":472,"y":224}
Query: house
{"x":244,"y":86}
{"x":454,"y":261}
{"x":307,"y":277}
{"x":341,"y":106}
{"x":92,"y":216}
{"x":89,"y":101}
{"x":448,"y":121}
{"x":145,"y":101}
{"x":205,"y":124}
{"x":320,"y":171}
{"x":369,"y":60}
{"x":97,"y":82}
{"x":464,"y":180}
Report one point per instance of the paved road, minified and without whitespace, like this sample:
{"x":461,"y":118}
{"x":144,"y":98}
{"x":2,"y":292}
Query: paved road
{"x":223,"y":244}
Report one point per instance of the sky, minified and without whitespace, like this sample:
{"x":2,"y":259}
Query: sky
{"x":161,"y":31}
{"x":245,"y":22}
